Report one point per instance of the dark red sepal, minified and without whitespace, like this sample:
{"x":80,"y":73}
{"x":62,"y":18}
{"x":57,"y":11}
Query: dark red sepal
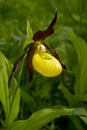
{"x":41,"y":35}
{"x":16,"y":67}
{"x":30,"y":54}
{"x":55,"y":55}
{"x":53,"y":20}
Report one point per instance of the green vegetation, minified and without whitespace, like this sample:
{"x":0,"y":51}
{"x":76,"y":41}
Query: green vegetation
{"x":56,"y":103}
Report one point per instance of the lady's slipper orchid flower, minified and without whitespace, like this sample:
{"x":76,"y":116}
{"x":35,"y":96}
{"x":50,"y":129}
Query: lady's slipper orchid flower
{"x":37,"y":57}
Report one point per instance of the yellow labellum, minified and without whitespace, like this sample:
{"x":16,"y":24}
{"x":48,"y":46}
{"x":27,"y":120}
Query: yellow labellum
{"x":46,"y":64}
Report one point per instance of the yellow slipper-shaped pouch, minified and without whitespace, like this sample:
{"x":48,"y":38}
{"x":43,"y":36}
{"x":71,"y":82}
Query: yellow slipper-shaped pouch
{"x":46,"y":64}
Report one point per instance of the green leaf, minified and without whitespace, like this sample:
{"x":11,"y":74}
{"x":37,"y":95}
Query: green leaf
{"x":82,"y":97}
{"x":4,"y":92}
{"x":28,"y":38}
{"x":72,"y":99}
{"x":83,"y":114}
{"x":80,"y":111}
{"x":42,"y":117}
{"x":29,"y":101}
{"x":9,"y":97}
{"x":84,"y":119}
{"x":81,"y":49}
{"x":29,"y":32}
{"x":14,"y":103}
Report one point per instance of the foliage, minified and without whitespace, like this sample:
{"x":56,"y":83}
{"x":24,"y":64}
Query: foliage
{"x":45,"y":103}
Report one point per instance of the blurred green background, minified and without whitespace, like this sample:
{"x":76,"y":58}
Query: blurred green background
{"x":44,"y":92}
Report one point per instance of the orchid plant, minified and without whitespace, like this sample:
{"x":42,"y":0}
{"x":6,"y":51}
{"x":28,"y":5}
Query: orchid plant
{"x":49,"y":65}
{"x":38,"y":59}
